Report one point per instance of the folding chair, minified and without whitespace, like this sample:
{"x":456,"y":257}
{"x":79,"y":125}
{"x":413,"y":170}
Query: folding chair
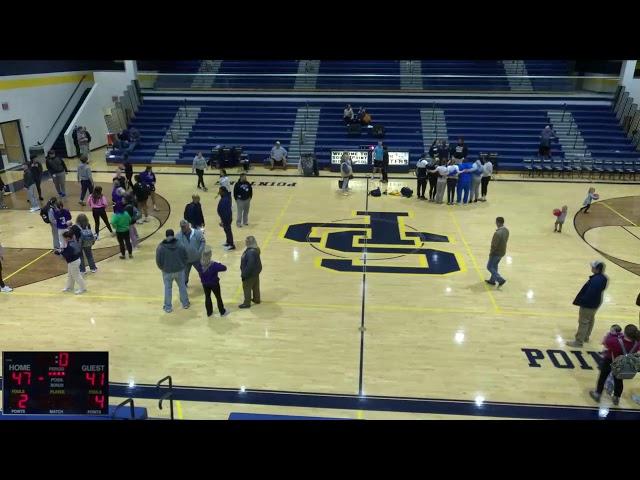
{"x":537,"y":166}
{"x":528,"y":166}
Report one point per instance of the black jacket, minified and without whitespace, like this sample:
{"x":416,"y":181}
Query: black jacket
{"x":193,"y":214}
{"x":141,"y":191}
{"x":242,"y":191}
{"x":56,"y":165}
{"x":459,"y":151}
{"x":250,"y":263}
{"x":590,"y":295}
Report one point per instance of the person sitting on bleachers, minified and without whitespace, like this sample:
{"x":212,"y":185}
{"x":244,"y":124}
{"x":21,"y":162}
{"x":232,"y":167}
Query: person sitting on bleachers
{"x":134,"y":135}
{"x":124,"y":142}
{"x":348,"y":115}
{"x":365,"y":118}
{"x":278,"y":156}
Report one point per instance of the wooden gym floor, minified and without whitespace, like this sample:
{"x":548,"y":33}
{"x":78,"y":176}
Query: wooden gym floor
{"x":418,"y":326}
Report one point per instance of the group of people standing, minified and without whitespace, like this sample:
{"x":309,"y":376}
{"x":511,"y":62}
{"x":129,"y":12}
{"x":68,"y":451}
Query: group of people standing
{"x":178,"y":253}
{"x":448,"y":168}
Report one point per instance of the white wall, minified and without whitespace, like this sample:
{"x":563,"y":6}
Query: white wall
{"x":38,"y":107}
{"x":626,"y":79}
{"x":91,"y":114}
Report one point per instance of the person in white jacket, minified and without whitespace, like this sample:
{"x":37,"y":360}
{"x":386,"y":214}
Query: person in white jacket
{"x":198,"y":167}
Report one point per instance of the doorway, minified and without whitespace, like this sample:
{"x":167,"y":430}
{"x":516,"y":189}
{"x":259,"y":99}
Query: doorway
{"x":12,"y":153}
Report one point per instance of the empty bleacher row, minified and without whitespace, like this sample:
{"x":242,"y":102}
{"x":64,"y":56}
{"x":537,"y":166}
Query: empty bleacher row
{"x":512,"y":130}
{"x":449,"y":75}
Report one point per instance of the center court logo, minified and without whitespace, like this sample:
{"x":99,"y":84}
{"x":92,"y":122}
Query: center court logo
{"x":383,"y":239}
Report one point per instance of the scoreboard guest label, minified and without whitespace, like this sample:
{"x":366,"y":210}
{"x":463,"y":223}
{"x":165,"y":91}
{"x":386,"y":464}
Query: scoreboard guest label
{"x":65,"y":383}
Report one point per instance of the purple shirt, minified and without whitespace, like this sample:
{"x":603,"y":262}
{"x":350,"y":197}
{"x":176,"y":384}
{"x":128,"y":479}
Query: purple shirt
{"x":62,"y":217}
{"x":210,"y":275}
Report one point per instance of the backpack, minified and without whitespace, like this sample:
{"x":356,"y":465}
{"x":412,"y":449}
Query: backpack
{"x":376,"y":192}
{"x":86,"y":237}
{"x":625,"y":366}
{"x":44,"y":213}
{"x":406,"y":192}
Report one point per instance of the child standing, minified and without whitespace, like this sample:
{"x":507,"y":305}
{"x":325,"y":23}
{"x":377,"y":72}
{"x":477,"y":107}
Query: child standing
{"x":63,"y":220}
{"x":560,"y":219}
{"x":98,"y":205}
{"x":149,"y":178}
{"x":591,"y":196}
{"x":615,"y":332}
{"x":121,"y":222}
{"x":208,"y":271}
{"x":84,"y":236}
{"x":134,"y":213}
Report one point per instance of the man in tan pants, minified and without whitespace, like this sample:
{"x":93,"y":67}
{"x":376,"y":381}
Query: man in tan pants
{"x":589,"y":300}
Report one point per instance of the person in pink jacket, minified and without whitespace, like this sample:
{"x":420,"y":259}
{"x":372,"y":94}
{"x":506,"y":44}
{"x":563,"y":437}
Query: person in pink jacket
{"x":98,"y":204}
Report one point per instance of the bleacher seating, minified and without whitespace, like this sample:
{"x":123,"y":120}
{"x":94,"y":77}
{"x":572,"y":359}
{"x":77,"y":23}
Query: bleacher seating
{"x":280,"y":74}
{"x":510,"y":129}
{"x":344,"y":75}
{"x":480,"y":75}
{"x":475,"y":68}
{"x":550,"y":68}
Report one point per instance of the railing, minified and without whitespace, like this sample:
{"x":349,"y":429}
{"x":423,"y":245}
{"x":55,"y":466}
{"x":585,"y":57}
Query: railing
{"x":387,"y":82}
{"x":166,"y":396}
{"x":62,"y":111}
{"x":132,"y":410}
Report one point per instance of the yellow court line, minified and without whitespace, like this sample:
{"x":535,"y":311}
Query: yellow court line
{"x":43,"y":81}
{"x":276,"y":223}
{"x":179,"y":410}
{"x":87,"y":295}
{"x":28,"y":264}
{"x":617,"y":213}
{"x":475,"y":263}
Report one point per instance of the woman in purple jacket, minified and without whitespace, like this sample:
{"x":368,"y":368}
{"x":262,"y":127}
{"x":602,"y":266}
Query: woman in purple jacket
{"x":208,"y":271}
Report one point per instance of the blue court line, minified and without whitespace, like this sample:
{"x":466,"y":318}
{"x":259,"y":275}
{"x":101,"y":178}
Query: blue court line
{"x":374,"y":403}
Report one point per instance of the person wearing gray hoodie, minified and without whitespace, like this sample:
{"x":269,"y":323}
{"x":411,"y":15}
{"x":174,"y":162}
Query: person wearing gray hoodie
{"x":250,"y":268}
{"x":193,"y":242}
{"x":171,"y":259}
{"x":85,"y":177}
{"x":199,"y":166}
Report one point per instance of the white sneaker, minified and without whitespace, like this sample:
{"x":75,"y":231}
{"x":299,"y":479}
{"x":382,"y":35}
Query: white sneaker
{"x":34,"y":209}
{"x":6,"y":289}
{"x":79,"y":292}
{"x":95,"y":270}
{"x":65,"y":290}
{"x":146,"y":219}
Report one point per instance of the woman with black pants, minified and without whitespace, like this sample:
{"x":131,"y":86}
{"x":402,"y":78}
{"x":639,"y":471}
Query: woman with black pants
{"x":121,"y":221}
{"x":36,"y":170}
{"x":432,"y":176}
{"x":208,"y":271}
{"x":452,"y":181}
{"x":98,"y":204}
{"x":613,"y":348}
{"x":421,"y":175}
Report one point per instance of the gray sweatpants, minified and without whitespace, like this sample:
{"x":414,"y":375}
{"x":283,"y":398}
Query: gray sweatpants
{"x":440,"y":186}
{"x":243,"y":211}
{"x":60,"y":180}
{"x":54,"y":234}
{"x":32,"y":193}
{"x":475,"y":188}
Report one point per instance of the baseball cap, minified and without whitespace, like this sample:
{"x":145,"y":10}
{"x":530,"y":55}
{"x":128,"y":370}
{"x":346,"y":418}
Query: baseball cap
{"x":597,"y":263}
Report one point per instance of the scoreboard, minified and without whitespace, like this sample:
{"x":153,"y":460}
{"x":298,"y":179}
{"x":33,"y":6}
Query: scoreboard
{"x":64,"y":383}
{"x":360,"y":159}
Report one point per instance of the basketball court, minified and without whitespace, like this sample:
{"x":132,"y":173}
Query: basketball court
{"x":372,"y":307}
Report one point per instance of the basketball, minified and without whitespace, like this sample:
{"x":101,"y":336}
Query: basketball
{"x":557,"y":212}
{"x":595,"y":196}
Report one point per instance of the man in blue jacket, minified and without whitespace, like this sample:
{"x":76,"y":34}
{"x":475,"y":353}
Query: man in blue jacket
{"x":224,"y":211}
{"x":589,"y":300}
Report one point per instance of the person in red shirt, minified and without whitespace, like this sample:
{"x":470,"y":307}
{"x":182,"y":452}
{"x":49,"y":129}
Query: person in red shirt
{"x":630,"y":339}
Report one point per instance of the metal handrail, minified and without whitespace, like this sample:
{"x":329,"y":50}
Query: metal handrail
{"x":168,"y":395}
{"x":132,"y":411}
